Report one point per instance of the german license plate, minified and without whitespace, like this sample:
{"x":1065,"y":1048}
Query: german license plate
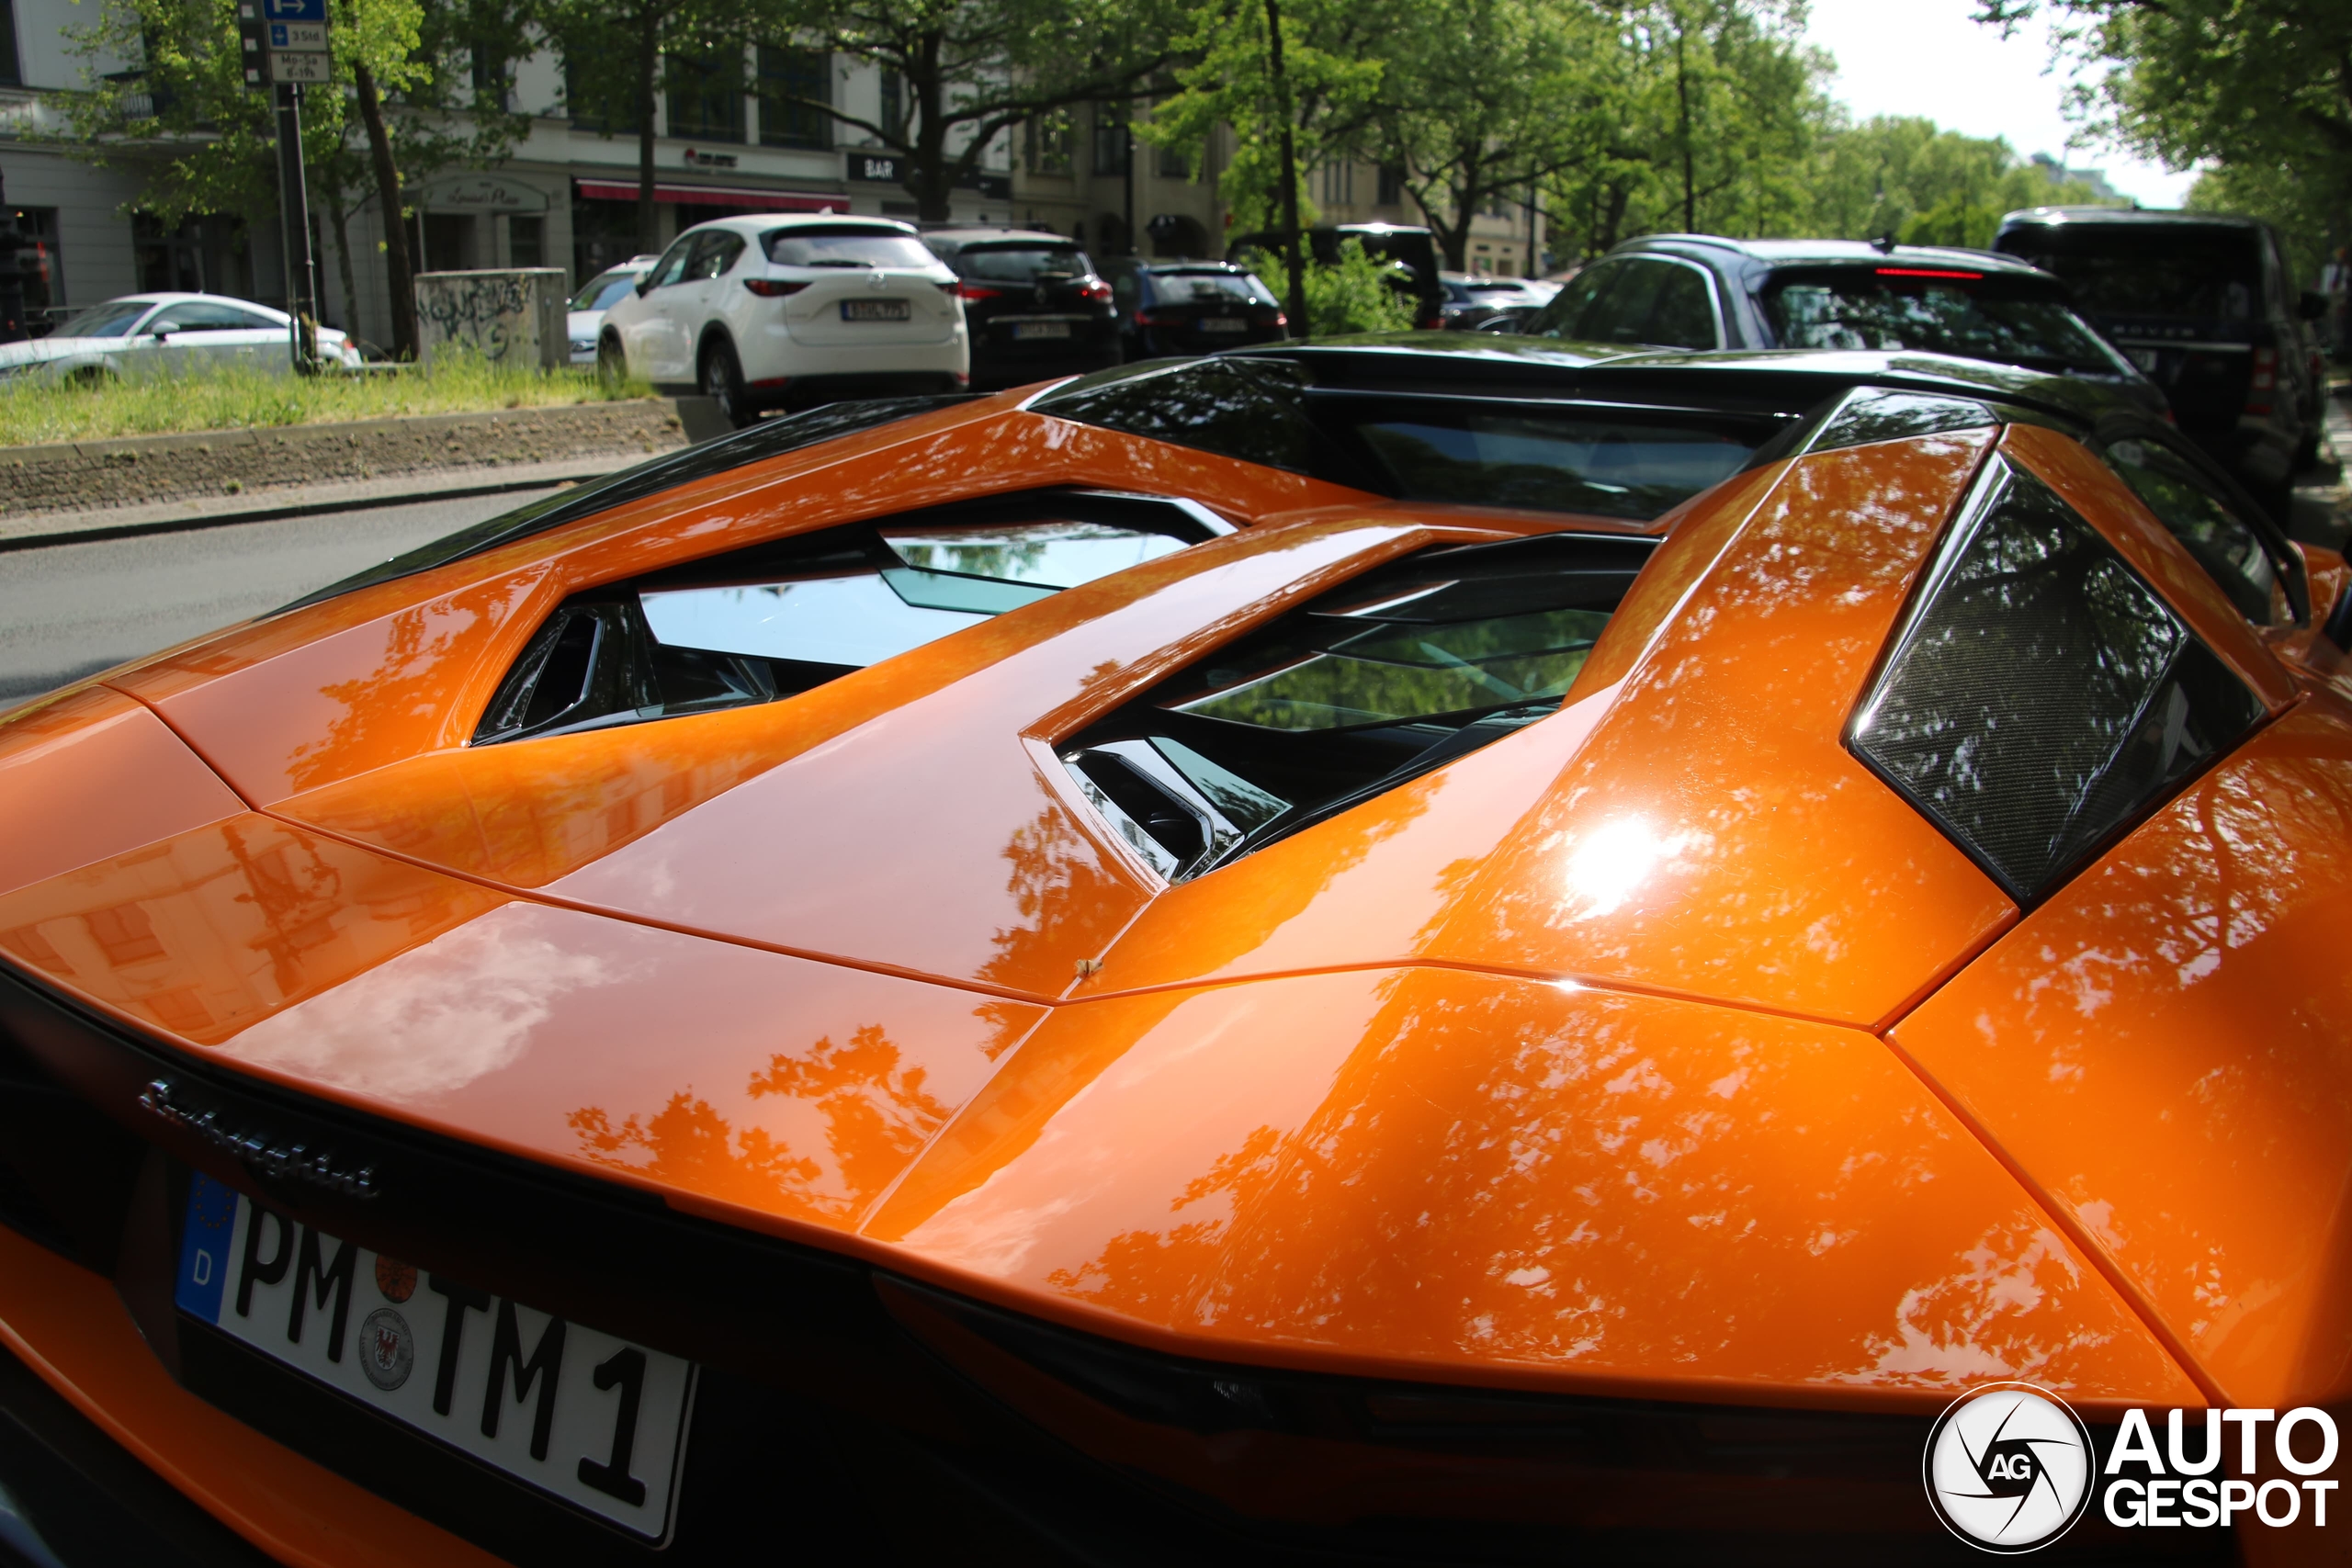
{"x":1040,"y":328}
{"x":584,"y":1416}
{"x":1224,"y":324}
{"x":876,"y":311}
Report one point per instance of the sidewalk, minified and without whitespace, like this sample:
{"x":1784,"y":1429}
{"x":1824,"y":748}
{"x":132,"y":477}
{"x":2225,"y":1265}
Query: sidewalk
{"x":2323,"y":491}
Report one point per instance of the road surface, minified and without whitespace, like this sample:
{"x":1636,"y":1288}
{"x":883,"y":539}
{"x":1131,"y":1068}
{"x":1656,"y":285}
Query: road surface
{"x":69,"y":610}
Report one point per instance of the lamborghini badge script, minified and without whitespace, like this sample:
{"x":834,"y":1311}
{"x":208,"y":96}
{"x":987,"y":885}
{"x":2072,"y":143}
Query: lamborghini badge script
{"x":2009,"y":1467}
{"x":259,"y":1149}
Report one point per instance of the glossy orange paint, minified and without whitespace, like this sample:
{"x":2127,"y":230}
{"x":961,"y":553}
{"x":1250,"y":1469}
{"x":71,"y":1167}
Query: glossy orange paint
{"x":91,"y":775}
{"x":678,"y":822}
{"x":2165,"y":1049}
{"x":334,"y":690}
{"x":1489,"y":1179}
{"x":68,"y":1324}
{"x":1713,"y":837}
{"x":203,"y":933}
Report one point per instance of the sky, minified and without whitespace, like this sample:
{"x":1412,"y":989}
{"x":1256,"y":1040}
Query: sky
{"x":1927,"y":58}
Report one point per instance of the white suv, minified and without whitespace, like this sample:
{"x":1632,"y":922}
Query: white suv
{"x":763,"y":311}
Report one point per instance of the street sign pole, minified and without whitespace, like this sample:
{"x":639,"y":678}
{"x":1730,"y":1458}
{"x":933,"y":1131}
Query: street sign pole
{"x":285,"y":44}
{"x":294,"y":212}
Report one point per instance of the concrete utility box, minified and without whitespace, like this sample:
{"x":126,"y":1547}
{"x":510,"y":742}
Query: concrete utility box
{"x":512,"y":318}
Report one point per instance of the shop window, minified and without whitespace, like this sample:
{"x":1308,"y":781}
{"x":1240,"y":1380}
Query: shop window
{"x":199,"y":255}
{"x":526,"y":242}
{"x":448,"y":241}
{"x":789,"y":79}
{"x":707,"y":96}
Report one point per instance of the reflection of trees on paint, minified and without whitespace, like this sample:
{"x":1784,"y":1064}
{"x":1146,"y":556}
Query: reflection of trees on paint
{"x":876,"y":1112}
{"x":411,"y":686}
{"x":1506,"y":1172}
{"x":1069,"y":905}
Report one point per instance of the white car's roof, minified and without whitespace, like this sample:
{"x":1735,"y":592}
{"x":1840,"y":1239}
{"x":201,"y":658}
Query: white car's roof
{"x":766,"y":222}
{"x":174,"y":297}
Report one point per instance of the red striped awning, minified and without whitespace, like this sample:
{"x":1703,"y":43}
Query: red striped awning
{"x":717,"y":195}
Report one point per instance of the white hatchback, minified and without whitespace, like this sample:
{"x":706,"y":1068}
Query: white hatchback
{"x":769,"y":311}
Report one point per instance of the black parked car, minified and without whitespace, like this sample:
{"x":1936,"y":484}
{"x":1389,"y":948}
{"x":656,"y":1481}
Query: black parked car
{"x":2206,"y":307}
{"x":1191,"y":307}
{"x":1698,"y":291}
{"x":1033,"y":302}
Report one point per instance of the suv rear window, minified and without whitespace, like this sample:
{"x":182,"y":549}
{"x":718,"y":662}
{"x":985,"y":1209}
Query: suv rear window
{"x":2142,"y":269}
{"x":846,"y":245}
{"x":1912,"y":307}
{"x":1177,"y":287}
{"x":1020,"y":263}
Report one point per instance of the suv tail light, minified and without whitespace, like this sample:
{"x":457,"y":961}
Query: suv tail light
{"x":1094,"y":288}
{"x":2265,"y":381}
{"x":772,"y":287}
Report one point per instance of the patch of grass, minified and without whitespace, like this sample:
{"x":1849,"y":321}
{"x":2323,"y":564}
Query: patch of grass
{"x":242,"y":399}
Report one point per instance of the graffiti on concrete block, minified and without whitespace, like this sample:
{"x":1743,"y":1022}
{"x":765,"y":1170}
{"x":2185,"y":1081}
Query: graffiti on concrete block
{"x":508,"y":317}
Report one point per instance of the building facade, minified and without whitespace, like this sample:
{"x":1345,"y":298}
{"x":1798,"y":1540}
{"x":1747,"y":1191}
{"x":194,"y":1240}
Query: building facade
{"x":566,"y":195}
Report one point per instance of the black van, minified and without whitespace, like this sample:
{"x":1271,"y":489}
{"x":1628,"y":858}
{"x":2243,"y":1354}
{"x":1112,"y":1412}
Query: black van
{"x":2204,"y":305}
{"x":1415,"y":248}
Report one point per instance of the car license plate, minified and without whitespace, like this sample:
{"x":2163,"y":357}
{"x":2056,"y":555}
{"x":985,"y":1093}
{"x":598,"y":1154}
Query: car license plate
{"x":1224,"y":324}
{"x":591,"y":1419}
{"x":876,"y":311}
{"x":1040,"y":328}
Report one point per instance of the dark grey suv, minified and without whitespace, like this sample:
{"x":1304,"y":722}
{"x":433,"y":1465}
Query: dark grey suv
{"x":1698,"y":291}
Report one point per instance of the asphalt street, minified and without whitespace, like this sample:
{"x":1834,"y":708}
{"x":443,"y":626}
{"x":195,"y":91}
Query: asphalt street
{"x":69,"y":610}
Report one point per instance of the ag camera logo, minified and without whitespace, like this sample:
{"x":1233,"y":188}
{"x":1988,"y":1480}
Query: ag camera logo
{"x":2009,"y":1467}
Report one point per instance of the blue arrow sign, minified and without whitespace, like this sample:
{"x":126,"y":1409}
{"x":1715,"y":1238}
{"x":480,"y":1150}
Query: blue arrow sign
{"x":295,"y":10}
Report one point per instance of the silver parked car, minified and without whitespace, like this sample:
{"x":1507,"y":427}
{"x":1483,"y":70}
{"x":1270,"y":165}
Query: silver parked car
{"x":141,"y":335}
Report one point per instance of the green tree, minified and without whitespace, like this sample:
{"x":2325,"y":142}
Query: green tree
{"x":201,"y":141}
{"x":1712,"y":128}
{"x":616,"y":55}
{"x":967,"y":72}
{"x":1924,"y":185}
{"x":1481,"y":100}
{"x":1353,"y":296}
{"x":2260,"y":87}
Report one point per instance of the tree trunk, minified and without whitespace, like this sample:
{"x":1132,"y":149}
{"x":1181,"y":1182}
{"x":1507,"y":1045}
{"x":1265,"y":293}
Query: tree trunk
{"x":649,"y":66}
{"x":929,"y":179}
{"x":1293,"y":259}
{"x":398,"y":259}
{"x":1682,"y":96}
{"x":339,"y":224}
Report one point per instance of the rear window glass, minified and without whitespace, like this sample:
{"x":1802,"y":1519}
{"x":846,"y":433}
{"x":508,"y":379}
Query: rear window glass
{"x":847,"y":245}
{"x":2143,"y":270}
{"x":605,"y":291}
{"x":1177,"y":287}
{"x":777,"y":619}
{"x":1859,"y":310}
{"x":1360,"y":690}
{"x":1005,"y":263}
{"x":1553,"y":462}
{"x":1250,"y":409}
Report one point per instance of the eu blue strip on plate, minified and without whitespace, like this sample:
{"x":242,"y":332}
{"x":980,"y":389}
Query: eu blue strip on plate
{"x":204,"y":1248}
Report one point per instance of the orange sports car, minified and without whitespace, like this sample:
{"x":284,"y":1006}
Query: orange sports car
{"x":1392,"y":952}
